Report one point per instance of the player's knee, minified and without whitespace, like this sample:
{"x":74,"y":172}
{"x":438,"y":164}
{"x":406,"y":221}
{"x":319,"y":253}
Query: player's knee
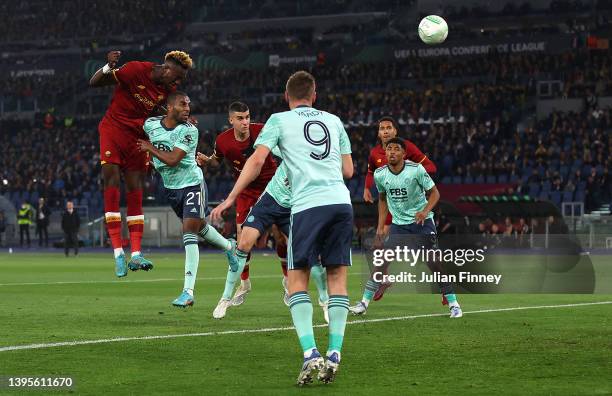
{"x":245,"y":245}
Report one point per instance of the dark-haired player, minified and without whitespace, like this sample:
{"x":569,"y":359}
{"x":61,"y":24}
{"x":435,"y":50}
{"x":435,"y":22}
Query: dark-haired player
{"x":140,"y":87}
{"x":173,"y":144}
{"x":407,"y":192}
{"x":235,"y":146}
{"x":388,"y":129}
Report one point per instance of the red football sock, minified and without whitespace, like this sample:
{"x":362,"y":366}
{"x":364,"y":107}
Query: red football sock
{"x":281,"y":251}
{"x":135,"y":219}
{"x":245,"y":273}
{"x":112,"y":215}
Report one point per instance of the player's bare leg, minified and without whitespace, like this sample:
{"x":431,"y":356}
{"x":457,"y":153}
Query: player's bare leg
{"x":281,"y":250}
{"x":245,"y":281}
{"x":135,"y":219}
{"x":111,"y":175}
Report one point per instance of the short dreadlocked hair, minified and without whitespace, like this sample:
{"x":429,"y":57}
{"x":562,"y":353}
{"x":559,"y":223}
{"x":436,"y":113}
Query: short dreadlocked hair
{"x":181,"y":58}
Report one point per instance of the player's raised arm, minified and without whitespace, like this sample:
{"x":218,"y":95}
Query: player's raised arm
{"x":104,"y":76}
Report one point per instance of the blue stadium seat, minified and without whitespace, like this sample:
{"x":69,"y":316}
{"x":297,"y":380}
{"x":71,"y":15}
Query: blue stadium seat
{"x":503,"y":178}
{"x":579,"y":197}
{"x":586,"y":169}
{"x":555,"y":197}
{"x":479,"y":179}
{"x":564,"y":171}
{"x":524,"y":179}
{"x":568,"y":196}
{"x":546,"y":185}
{"x":514,"y":178}
{"x":543,"y":195}
{"x":446,"y":180}
{"x":456,"y":179}
{"x":582,"y":185}
{"x":534,"y":189}
{"x":541,"y":170}
{"x":491,"y":179}
{"x":468,"y":180}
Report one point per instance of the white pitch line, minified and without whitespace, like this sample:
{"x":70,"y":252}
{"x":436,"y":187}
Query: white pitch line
{"x":272,"y":329}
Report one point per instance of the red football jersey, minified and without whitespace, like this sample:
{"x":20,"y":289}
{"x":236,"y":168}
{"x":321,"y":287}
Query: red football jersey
{"x":135,"y":96}
{"x":236,"y":154}
{"x":378,"y":158}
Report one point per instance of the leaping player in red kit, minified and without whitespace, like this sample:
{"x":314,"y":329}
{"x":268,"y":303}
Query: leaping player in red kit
{"x":140,"y":89}
{"x":235,"y":145}
{"x":388,"y":129}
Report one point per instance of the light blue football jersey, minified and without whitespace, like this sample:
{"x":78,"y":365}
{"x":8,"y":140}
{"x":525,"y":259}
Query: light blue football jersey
{"x":405,"y":191}
{"x":278,"y":187}
{"x":185,"y":137}
{"x":311,"y":143}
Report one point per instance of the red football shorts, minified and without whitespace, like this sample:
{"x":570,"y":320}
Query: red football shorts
{"x":388,"y":219}
{"x":245,"y":202}
{"x":118,"y":146}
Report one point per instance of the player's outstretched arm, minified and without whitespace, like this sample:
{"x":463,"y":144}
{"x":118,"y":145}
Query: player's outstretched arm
{"x":104,"y":76}
{"x":250,"y":171}
{"x":433,"y":196}
{"x":170,"y":158}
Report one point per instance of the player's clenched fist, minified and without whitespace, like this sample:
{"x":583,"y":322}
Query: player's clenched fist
{"x":202,"y":159}
{"x":144,"y":145}
{"x":112,"y":58}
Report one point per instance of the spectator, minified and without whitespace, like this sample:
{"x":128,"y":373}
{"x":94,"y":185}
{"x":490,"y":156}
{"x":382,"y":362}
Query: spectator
{"x":42,"y":222}
{"x":494,"y":236}
{"x":508,"y":227}
{"x":24,"y":219}
{"x":70,"y":225}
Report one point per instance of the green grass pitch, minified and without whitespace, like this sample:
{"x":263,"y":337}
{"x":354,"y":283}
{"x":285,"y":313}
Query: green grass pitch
{"x":46,"y":298}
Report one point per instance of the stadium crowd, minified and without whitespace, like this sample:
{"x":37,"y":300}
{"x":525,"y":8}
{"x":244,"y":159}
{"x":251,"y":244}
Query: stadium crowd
{"x":65,"y":21}
{"x":464,"y":112}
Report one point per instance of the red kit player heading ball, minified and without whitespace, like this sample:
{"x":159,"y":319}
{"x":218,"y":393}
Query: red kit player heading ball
{"x":140,"y":89}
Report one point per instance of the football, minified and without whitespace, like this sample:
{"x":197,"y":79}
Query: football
{"x":433,"y":30}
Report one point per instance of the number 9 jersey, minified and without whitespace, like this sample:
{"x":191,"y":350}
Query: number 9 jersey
{"x":312,"y":143}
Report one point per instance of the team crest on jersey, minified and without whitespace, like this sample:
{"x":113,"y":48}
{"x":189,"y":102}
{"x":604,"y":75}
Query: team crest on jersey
{"x":188,"y":139}
{"x":141,"y":86}
{"x":160,"y":98}
{"x":107,"y":154}
{"x":379,"y":160}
